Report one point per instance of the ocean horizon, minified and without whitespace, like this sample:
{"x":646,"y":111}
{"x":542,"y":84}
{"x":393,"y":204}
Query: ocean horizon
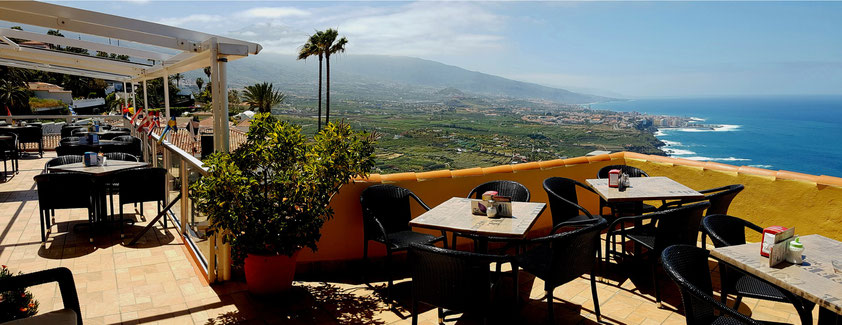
{"x":794,"y":133}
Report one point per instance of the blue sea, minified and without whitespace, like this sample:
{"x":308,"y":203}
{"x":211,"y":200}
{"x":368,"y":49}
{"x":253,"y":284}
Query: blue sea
{"x":795,"y":133}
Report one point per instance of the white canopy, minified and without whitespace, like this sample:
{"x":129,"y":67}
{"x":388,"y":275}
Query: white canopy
{"x":160,"y":50}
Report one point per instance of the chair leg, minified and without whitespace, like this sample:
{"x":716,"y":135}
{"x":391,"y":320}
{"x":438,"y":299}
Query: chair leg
{"x":737,"y":301}
{"x":550,"y":314}
{"x":43,"y":233}
{"x":159,"y":212}
{"x":655,"y":284}
{"x":414,"y":311}
{"x":389,"y":274}
{"x":121,"y":219}
{"x":441,"y":315}
{"x":365,"y":261}
{"x":595,"y":298}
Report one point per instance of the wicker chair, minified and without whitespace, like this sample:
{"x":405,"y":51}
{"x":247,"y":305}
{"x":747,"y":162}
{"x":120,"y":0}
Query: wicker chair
{"x":687,"y":266}
{"x":9,"y":150}
{"x":563,"y":257}
{"x":69,"y":140}
{"x":669,"y":227}
{"x":141,"y":185}
{"x":386,"y":215}
{"x":136,"y":145}
{"x":78,"y":132}
{"x":624,"y":208}
{"x":725,"y":230}
{"x":53,"y":194}
{"x":121,"y":129}
{"x":120,"y":156}
{"x":63,"y":160}
{"x":70,"y":314}
{"x":564,"y":202}
{"x":515,"y":190}
{"x":720,"y":200}
{"x":456,"y":280}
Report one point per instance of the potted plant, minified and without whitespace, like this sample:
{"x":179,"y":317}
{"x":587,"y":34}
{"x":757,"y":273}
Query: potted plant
{"x":269,"y":197}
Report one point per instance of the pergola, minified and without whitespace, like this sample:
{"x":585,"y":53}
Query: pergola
{"x":157,"y":51}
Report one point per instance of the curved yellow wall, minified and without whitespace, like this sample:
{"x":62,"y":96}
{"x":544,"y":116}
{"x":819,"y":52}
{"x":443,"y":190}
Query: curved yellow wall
{"x":812,"y":204}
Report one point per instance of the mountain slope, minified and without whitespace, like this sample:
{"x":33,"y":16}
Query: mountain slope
{"x":384,"y":76}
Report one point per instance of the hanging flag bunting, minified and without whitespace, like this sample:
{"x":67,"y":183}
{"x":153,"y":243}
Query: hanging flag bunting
{"x":171,"y":127}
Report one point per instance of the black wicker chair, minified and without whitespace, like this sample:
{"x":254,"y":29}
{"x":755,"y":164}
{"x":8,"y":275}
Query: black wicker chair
{"x":121,"y":129}
{"x":120,"y":156}
{"x":564,"y":202}
{"x":386,"y":215}
{"x":720,"y":200}
{"x":69,"y":140}
{"x":141,"y":185}
{"x":624,"y":208}
{"x":67,"y":130}
{"x":63,"y":191}
{"x":687,"y":266}
{"x":515,"y":190}
{"x":725,"y":230}
{"x":63,"y":160}
{"x":70,"y":314}
{"x":78,"y":132}
{"x":31,"y":134}
{"x":669,"y":227}
{"x":135,"y":148}
{"x":563,"y":257}
{"x":9,"y":151}
{"x":65,"y":150}
{"x":456,"y":280}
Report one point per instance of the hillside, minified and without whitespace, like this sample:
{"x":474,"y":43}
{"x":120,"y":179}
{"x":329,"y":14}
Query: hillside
{"x":387,"y":77}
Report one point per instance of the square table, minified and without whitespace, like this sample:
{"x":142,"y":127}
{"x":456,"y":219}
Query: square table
{"x":455,"y":215}
{"x":815,"y":280}
{"x":644,"y":189}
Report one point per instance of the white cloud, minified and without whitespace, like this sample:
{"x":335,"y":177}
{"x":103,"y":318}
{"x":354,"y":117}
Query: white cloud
{"x":194,"y":18}
{"x":272,"y":12}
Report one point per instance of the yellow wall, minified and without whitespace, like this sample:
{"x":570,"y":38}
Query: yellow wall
{"x":811,"y":204}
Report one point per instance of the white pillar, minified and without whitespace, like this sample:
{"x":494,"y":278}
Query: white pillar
{"x":166,"y":98}
{"x":134,"y":100}
{"x":145,"y":97}
{"x":219,"y":99}
{"x":125,"y":98}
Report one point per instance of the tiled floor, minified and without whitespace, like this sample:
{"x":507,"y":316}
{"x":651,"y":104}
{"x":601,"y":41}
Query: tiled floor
{"x":156,"y":282}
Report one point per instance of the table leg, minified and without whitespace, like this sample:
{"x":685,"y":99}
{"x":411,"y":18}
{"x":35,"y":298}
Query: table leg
{"x":828,"y":317}
{"x":482,"y":245}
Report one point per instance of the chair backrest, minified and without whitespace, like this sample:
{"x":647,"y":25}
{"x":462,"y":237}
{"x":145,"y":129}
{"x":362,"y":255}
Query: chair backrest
{"x":631,"y":171}
{"x":561,"y":195}
{"x":451,"y":279}
{"x":64,"y":150}
{"x":136,"y":144}
{"x":142,"y":185}
{"x":67,"y":130}
{"x":389,"y":205}
{"x":63,"y":160}
{"x":69,"y":139}
{"x":572,"y":253}
{"x":688,"y":267}
{"x":64,"y":190}
{"x":725,"y":230}
{"x":678,"y":226}
{"x":29,"y":133}
{"x":721,"y":198}
{"x":513,"y":189}
{"x":121,"y":129}
{"x":79,"y":131}
{"x":120,"y":156}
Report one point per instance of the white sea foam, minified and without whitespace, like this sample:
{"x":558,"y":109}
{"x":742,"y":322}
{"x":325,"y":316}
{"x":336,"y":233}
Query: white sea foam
{"x":697,"y":119}
{"x":716,"y":159}
{"x":761,"y":166}
{"x":678,"y":152}
{"x":669,"y":143}
{"x":720,"y":128}
{"x":660,"y":133}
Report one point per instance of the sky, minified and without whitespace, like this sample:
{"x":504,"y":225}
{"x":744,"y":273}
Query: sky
{"x":629,"y":49}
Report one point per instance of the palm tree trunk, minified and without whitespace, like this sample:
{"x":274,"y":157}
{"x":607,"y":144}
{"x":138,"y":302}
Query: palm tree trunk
{"x":320,"y":93}
{"x":327,"y":90}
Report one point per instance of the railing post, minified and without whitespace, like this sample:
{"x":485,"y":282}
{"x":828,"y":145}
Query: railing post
{"x":185,"y":191}
{"x":212,"y":242}
{"x":154,"y":152}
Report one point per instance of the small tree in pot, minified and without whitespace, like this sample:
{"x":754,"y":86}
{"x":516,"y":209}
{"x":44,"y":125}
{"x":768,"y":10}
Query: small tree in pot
{"x":269,"y":197}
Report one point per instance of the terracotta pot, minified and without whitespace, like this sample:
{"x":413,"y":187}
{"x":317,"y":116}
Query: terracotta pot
{"x":270,"y":274}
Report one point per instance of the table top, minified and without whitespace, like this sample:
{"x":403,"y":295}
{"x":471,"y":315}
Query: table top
{"x":643,"y":189}
{"x":455,"y":215}
{"x":111,"y":166}
{"x":815,"y":280}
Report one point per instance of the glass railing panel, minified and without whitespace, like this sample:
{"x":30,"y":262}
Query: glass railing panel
{"x":197,"y":223}
{"x":174,"y":184}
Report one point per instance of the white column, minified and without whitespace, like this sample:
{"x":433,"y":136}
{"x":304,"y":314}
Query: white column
{"x":125,"y":98}
{"x":145,"y":97}
{"x":166,"y":98}
{"x":219,"y":99}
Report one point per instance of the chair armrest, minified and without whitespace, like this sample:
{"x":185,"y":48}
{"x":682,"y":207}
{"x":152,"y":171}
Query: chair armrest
{"x":584,"y":186}
{"x":752,"y":226}
{"x":61,"y":275}
{"x":710,"y":190}
{"x":573,"y":224}
{"x":417,"y":199}
{"x":622,"y":220}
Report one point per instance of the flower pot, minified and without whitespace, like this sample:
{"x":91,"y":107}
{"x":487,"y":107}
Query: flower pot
{"x":269,"y":274}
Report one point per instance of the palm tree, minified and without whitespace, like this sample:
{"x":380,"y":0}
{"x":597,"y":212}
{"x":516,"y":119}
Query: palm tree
{"x":14,"y":92}
{"x":330,"y":45}
{"x":262,"y":97}
{"x":199,"y":83}
{"x":178,"y":77}
{"x":312,"y":49}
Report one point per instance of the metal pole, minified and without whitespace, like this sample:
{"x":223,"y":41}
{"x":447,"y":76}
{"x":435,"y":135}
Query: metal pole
{"x":220,"y":111}
{"x":166,"y":98}
{"x":125,"y":98}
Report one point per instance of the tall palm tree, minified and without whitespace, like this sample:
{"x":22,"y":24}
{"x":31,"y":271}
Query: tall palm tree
{"x":199,"y":83}
{"x":178,"y":77}
{"x":262,"y":97}
{"x":330,"y":45}
{"x":312,"y":49}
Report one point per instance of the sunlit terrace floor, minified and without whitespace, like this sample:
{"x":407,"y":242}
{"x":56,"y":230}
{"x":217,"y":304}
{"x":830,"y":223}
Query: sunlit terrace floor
{"x":157,"y":282}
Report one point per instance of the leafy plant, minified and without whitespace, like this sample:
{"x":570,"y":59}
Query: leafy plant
{"x":15,"y":304}
{"x":262,"y":97}
{"x":271,"y":195}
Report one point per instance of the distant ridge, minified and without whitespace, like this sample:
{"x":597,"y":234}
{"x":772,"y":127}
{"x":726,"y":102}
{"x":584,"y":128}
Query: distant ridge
{"x":381,"y":77}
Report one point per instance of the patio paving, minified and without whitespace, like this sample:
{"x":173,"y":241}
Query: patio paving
{"x":156,"y":282}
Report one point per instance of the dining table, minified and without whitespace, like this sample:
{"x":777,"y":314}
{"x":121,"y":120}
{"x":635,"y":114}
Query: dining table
{"x":101,"y":175}
{"x":818,"y":279}
{"x":455,"y":215}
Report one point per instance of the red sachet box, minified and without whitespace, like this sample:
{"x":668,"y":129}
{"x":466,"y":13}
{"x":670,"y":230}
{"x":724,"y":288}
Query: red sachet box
{"x":771,"y":236}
